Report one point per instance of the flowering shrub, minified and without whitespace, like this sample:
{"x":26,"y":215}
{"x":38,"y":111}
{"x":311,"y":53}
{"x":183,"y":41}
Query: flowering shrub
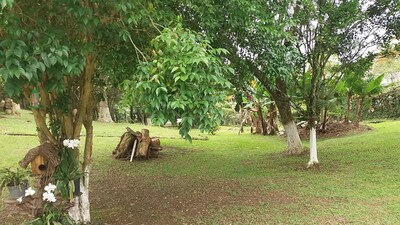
{"x":52,"y":214}
{"x":56,"y":196}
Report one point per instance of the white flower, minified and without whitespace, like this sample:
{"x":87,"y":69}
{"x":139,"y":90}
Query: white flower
{"x":49,"y":196}
{"x":50,"y":187}
{"x":19,"y":199}
{"x":29,"y":192}
{"x":76,"y":142}
{"x":65,"y":142}
{"x":71,"y":143}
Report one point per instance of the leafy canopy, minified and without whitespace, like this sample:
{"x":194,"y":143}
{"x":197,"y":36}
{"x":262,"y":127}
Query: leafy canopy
{"x":184,"y":78}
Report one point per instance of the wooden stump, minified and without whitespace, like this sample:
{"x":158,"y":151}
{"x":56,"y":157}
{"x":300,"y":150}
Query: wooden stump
{"x":2,"y":104}
{"x":8,"y":105}
{"x":137,"y":145}
{"x":144,"y":144}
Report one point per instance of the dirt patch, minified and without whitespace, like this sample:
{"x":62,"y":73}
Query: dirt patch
{"x":11,"y":214}
{"x":334,"y":129}
{"x":117,"y":198}
{"x":171,"y":200}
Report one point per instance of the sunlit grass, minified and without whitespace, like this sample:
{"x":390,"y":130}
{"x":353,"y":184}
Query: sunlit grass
{"x":386,"y":65}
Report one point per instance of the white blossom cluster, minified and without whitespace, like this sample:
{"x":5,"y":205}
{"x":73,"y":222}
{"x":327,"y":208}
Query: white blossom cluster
{"x":71,"y":143}
{"x":28,"y":192}
{"x":47,"y":196}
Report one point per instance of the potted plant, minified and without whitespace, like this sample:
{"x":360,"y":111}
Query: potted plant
{"x":16,"y":180}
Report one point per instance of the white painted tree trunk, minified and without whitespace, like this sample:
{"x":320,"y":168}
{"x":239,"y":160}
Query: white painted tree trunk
{"x":295,"y":147}
{"x":104,"y":113}
{"x":80,"y":212}
{"x":313,"y":147}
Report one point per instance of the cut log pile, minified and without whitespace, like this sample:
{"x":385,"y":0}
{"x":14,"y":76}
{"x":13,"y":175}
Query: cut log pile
{"x":10,"y":107}
{"x":137,"y":145}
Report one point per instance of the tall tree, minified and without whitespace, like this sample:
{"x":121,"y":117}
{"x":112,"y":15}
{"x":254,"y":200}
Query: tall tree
{"x":255,"y":34}
{"x":56,"y":48}
{"x":183,"y":78}
{"x":347,"y":29}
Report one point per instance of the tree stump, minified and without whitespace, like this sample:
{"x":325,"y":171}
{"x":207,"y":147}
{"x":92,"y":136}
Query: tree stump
{"x":137,"y":145}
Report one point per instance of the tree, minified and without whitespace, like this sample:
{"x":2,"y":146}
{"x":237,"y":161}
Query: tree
{"x":346,"y":29}
{"x":183,"y":78}
{"x":257,"y":39}
{"x":358,"y":81}
{"x":54,"y":47}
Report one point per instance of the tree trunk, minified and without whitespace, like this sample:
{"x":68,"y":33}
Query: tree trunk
{"x":347,"y":114}
{"x":324,"y":119}
{"x":104,"y":110}
{"x":293,"y":140}
{"x":80,"y":212}
{"x":104,"y":113}
{"x":282,"y":101}
{"x":243,"y":118}
{"x":272,"y":126}
{"x":261,"y":118}
{"x":131,"y":114}
{"x":313,"y":148}
{"x":359,"y":111}
{"x":257,"y":122}
{"x":312,"y":116}
{"x":295,"y":147}
{"x":313,"y":132}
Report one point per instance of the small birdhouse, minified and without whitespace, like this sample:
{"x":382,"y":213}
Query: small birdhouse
{"x":39,"y":165}
{"x":43,"y":159}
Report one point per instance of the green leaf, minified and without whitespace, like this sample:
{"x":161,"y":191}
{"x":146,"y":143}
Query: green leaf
{"x":231,"y":70}
{"x":174,"y":69}
{"x":9,"y":53}
{"x":184,"y":77}
{"x":18,"y":52}
{"x":42,"y":67}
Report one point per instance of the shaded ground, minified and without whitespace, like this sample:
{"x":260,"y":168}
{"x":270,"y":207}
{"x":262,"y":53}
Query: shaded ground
{"x":172,"y":200}
{"x":120,"y":199}
{"x":117,"y":198}
{"x":123,"y":199}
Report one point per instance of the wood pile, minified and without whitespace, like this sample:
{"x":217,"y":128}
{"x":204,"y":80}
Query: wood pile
{"x":8,"y":105}
{"x":137,"y":145}
{"x":2,"y":103}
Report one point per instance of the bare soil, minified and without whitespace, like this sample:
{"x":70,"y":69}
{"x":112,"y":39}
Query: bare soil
{"x":124,"y":200}
{"x":335,"y":129}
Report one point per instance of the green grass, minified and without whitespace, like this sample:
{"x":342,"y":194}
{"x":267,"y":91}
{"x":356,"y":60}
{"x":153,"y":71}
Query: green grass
{"x":386,"y":65}
{"x":357,"y":181}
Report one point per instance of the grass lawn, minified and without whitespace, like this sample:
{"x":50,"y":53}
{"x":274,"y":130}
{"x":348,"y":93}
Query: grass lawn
{"x":233,"y":179}
{"x":386,"y":65}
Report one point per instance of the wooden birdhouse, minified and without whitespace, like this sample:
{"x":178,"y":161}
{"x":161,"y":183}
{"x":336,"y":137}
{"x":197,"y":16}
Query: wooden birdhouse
{"x":43,"y":159}
{"x":39,"y":165}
